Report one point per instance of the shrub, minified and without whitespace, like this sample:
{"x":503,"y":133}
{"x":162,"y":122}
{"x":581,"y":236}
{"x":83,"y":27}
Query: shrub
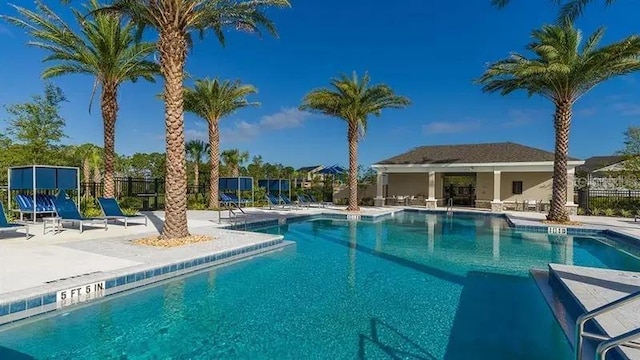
{"x":366,"y":201}
{"x":609,"y":212}
{"x":130,"y":203}
{"x":581,"y":211}
{"x":196,"y":204}
{"x":626,"y":213}
{"x":260,"y":196}
{"x":596,"y":211}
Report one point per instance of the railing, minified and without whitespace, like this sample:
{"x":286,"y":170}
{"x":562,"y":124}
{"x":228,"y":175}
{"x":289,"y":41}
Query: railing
{"x":450,"y":206}
{"x":607,"y":342}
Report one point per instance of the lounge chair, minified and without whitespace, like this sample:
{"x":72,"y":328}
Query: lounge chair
{"x":314,"y":201}
{"x":68,"y":212}
{"x":112,"y":211}
{"x":43,"y":205}
{"x":233,"y":199}
{"x":287,"y":202}
{"x":274,"y":201}
{"x":7,"y":226}
{"x":303,"y":200}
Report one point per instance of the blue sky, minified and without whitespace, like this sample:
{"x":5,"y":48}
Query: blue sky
{"x":429,"y":51}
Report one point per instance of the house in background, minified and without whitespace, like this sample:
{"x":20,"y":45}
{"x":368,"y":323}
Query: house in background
{"x":601,"y":173}
{"x":307,"y":175}
{"x":493,"y":175}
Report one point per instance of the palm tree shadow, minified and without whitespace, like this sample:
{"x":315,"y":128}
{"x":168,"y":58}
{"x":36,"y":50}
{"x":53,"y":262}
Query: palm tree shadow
{"x":157,"y":223}
{"x":10,"y":354}
{"x":394,"y":352}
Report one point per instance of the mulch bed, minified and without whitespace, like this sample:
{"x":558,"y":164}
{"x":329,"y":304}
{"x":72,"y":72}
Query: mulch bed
{"x":158,"y":241}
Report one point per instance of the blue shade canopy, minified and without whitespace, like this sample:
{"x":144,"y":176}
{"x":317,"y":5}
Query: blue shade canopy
{"x":235,"y":184}
{"x":275,"y":185}
{"x":333,"y":170}
{"x":46,"y":177}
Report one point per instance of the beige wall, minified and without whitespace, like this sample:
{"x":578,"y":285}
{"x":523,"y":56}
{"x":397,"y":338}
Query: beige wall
{"x":409,"y":184}
{"x":535,"y":186}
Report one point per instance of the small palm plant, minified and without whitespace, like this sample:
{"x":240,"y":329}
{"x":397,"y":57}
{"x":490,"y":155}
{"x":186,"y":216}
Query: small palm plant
{"x":562,"y":71}
{"x":213,"y":100}
{"x":196,"y":150}
{"x":105,"y":47}
{"x":234,"y":159}
{"x":353,"y":100}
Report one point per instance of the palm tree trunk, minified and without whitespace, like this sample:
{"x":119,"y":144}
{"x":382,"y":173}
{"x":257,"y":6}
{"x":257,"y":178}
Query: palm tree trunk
{"x":109,"y":106}
{"x":562,"y":122}
{"x":172,"y":46}
{"x":86,"y":175}
{"x":353,"y":167}
{"x":214,"y":159}
{"x":235,"y":172}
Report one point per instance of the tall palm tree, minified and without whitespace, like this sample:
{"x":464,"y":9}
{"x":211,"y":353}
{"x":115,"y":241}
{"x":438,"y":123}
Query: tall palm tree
{"x":196,"y":150}
{"x":174,"y":21}
{"x":562,"y":71}
{"x":105,"y":47}
{"x":570,"y":9}
{"x":234,"y":159}
{"x":353,"y":100}
{"x":212,"y":100}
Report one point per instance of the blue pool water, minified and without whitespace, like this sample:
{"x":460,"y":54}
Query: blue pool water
{"x":416,"y":286}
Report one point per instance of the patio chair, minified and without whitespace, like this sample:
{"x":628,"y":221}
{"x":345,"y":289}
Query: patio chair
{"x":287,"y":202}
{"x":314,"y":201}
{"x":68,"y":212}
{"x":304,"y":201}
{"x":43,"y":205}
{"x":233,"y":198}
{"x":531,"y":204}
{"x":274,"y":201}
{"x":7,"y":226}
{"x":112,"y":211}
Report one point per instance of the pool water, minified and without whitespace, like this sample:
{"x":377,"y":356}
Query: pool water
{"x":418,"y":286}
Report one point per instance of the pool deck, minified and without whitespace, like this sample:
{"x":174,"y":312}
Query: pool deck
{"x":590,"y":288}
{"x":34,"y":270}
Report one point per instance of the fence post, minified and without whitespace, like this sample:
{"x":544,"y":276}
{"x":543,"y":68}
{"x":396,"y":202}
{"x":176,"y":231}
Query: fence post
{"x":129,"y":186}
{"x":155,"y":191}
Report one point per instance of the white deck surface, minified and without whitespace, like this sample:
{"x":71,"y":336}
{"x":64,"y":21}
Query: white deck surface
{"x":596,"y":287}
{"x":28,"y":265}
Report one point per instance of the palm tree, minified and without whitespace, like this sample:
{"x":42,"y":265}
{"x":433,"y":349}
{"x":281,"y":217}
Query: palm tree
{"x":105,"y":47}
{"x":353,"y":100}
{"x":212,"y":100}
{"x":562,"y":72}
{"x":234,"y":159}
{"x":96,"y":163}
{"x":570,"y":9}
{"x":174,"y":21}
{"x":196,"y":150}
{"x":87,"y":153}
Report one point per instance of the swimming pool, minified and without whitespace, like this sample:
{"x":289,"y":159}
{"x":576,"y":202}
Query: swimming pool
{"x":414,"y":286}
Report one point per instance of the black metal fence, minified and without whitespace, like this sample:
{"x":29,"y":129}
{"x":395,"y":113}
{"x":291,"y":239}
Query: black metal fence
{"x":592,"y":200}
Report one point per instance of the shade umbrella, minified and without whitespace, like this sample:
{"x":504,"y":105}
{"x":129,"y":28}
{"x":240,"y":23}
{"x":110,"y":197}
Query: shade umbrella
{"x":333,"y":171}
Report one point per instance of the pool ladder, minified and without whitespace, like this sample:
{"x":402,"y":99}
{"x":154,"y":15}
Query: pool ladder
{"x":234,"y":217}
{"x":607,"y":343}
{"x":450,"y":206}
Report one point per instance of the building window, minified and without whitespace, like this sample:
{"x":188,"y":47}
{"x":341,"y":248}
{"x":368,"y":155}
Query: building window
{"x":516,"y":187}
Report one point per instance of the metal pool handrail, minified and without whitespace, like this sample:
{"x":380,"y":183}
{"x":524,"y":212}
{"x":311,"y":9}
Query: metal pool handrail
{"x":608,"y":343}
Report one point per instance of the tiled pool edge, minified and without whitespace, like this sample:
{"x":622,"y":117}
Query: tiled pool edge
{"x":22,"y":308}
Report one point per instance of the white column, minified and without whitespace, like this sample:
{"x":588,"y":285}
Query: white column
{"x":571,"y":176}
{"x":496,"y":185}
{"x":432,"y":185}
{"x":379,"y":200}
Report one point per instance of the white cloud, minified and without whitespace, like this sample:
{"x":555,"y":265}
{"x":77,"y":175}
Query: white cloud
{"x":627,"y":108}
{"x":287,"y":118}
{"x":521,"y":117}
{"x":450,"y":127}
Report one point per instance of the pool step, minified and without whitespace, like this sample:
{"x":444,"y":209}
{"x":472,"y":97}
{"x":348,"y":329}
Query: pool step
{"x":573,"y":290}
